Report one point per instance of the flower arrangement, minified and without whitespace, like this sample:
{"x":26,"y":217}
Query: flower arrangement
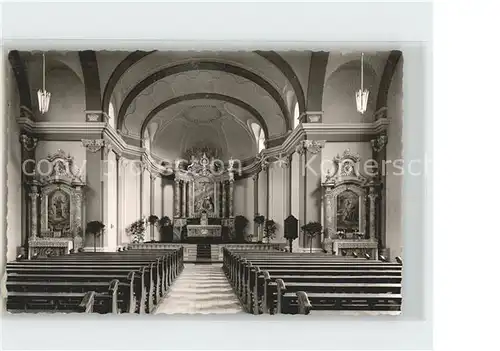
{"x":137,"y":230}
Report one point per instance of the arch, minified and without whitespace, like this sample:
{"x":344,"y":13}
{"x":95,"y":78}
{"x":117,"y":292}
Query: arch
{"x":289,"y":73}
{"x":385,"y":80}
{"x":90,"y":71}
{"x":203,"y":65}
{"x":197,"y":96}
{"x":317,"y":71}
{"x":23,"y":85}
{"x":118,"y":72}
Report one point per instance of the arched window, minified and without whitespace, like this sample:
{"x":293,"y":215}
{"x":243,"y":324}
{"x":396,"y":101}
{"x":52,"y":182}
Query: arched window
{"x":111,"y":115}
{"x":260,"y":138}
{"x":296,"y":115}
{"x":147,"y":141}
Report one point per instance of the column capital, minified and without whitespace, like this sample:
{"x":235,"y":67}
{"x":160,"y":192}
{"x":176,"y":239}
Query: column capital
{"x":93,"y":116}
{"x":93,"y":145}
{"x":255,"y":177}
{"x":312,"y":146}
{"x":29,"y":143}
{"x":314,"y":116}
{"x":379,"y":143}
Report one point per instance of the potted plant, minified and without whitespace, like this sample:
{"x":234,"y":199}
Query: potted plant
{"x":137,"y":229}
{"x":270,"y":228}
{"x":240,"y":224}
{"x":153,"y":221}
{"x":312,"y":229}
{"x":95,"y":228}
{"x":166,"y":229}
{"x":259,"y":220}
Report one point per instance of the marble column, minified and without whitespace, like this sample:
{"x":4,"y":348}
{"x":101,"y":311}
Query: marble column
{"x":231,"y":199}
{"x":255,"y":179}
{"x":152,"y":178}
{"x":187,"y":187}
{"x":224,"y":200}
{"x":184,"y":199}
{"x":28,"y":148}
{"x":177,"y":198}
{"x":372,"y":198}
{"x":34,"y":195}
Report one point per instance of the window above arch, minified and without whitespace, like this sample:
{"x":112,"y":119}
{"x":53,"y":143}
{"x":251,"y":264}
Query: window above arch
{"x":260,"y":139}
{"x":296,"y":115}
{"x":111,"y":115}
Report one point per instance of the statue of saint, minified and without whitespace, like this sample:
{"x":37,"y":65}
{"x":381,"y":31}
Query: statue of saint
{"x":204,"y":218}
{"x":207,"y":204}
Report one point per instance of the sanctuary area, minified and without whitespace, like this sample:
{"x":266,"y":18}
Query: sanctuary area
{"x":204,"y":182}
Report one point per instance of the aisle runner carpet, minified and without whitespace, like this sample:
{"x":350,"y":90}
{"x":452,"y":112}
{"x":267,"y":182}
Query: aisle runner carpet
{"x":201,"y":289}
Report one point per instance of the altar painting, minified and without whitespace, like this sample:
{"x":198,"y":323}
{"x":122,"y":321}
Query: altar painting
{"x":59,"y":211}
{"x":348,"y":211}
{"x":204,"y":195}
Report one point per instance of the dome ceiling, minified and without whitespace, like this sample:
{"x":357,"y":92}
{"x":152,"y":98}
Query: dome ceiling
{"x":218,"y":125}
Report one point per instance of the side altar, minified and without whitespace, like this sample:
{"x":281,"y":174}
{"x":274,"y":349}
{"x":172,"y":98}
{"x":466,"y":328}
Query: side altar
{"x":56,"y":208}
{"x":203,"y":197}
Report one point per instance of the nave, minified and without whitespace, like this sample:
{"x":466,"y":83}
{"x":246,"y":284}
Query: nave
{"x":159,"y":282}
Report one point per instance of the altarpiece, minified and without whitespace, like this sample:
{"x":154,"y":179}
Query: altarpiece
{"x":204,"y":190}
{"x":349,"y":208}
{"x":56,"y":207}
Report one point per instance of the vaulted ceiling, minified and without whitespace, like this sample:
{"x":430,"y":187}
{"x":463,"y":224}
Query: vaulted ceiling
{"x":191,"y":98}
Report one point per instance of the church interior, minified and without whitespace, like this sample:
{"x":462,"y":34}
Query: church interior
{"x":204,"y":181}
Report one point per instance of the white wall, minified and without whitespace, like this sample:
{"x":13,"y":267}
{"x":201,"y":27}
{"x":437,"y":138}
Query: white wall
{"x":168,"y":198}
{"x":394,"y":234}
{"x":243,"y":201}
{"x":110,"y":219}
{"x":14,"y":195}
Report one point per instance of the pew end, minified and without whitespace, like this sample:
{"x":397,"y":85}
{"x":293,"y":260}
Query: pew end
{"x":399,"y":260}
{"x":87,"y":303}
{"x":305,"y":306}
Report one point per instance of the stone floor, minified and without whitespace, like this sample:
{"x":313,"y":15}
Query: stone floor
{"x":201,"y":288}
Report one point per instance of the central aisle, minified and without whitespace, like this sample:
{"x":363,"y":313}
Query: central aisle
{"x":200,"y":289}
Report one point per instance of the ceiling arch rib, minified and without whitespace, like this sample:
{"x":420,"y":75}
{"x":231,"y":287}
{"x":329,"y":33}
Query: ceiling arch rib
{"x":289,"y":73}
{"x":118,"y":72}
{"x":90,"y":71}
{"x":21,"y":76}
{"x":204,"y":96}
{"x":204,"y":65}
{"x":385,"y":80}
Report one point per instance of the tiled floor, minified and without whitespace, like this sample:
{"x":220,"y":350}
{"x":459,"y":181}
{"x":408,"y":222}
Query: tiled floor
{"x":200,"y":289}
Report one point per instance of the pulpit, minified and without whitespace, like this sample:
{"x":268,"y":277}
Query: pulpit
{"x":56,"y":208}
{"x":348,"y":197}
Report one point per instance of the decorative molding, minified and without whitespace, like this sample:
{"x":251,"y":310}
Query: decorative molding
{"x":29,"y":143}
{"x":93,"y":145}
{"x":94,"y":116}
{"x":379,"y":143}
{"x":314,"y":116}
{"x":346,"y":169}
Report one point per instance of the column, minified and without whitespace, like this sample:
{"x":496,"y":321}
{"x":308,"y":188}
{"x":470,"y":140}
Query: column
{"x":184,"y":198}
{"x":33,"y":195}
{"x":94,"y":181}
{"x":380,"y":156}
{"x":152,"y":203}
{"x":231,"y":198}
{"x":120,"y":180}
{"x":301,"y":191}
{"x":28,"y":147}
{"x":372,"y":197}
{"x":78,"y":239}
{"x":255,"y":179}
{"x":187,"y":187}
{"x":224,"y":198}
{"x":287,"y":185}
{"x":177,"y":198}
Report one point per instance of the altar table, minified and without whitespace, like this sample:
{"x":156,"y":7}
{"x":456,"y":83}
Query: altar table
{"x":204,"y":231}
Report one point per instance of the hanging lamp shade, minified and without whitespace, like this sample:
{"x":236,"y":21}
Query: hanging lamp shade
{"x":43,"y":95}
{"x":362,"y":94}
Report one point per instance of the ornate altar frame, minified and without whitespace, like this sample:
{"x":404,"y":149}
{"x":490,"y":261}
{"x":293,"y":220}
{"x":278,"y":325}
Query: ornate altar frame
{"x":47,"y":237}
{"x":187,"y":179}
{"x":345,"y":177}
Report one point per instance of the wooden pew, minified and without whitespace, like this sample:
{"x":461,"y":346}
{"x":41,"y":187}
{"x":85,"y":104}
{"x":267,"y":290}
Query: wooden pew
{"x":45,"y":302}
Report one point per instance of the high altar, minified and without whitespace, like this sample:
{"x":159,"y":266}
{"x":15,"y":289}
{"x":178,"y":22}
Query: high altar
{"x":203,"y":198}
